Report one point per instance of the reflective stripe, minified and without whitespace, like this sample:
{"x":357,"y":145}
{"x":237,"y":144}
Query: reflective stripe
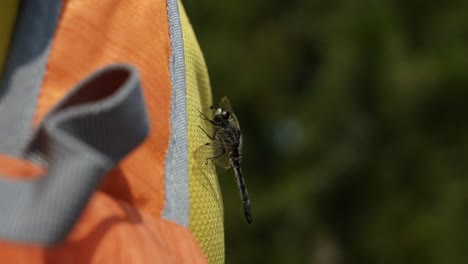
{"x":176,"y":183}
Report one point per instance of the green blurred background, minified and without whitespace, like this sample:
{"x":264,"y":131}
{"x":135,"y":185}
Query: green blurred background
{"x":354,"y":118}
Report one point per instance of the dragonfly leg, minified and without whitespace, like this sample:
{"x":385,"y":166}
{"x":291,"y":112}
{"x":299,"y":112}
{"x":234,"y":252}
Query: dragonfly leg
{"x":204,"y":117}
{"x":208,"y":135}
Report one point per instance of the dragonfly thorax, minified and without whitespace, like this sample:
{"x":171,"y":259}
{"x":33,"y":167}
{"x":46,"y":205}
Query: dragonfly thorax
{"x":230,"y":137}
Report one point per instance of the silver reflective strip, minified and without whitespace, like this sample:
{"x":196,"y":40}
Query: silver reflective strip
{"x":177,"y":204}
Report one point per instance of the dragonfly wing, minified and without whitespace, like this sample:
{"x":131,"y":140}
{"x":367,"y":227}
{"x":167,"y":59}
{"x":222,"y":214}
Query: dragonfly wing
{"x":219,"y":156}
{"x":204,"y":171}
{"x":233,"y":120}
{"x":212,"y":153}
{"x":225,"y":104}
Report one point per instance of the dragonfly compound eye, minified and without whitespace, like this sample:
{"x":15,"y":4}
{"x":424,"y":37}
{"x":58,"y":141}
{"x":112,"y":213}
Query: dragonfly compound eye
{"x":226,"y":114}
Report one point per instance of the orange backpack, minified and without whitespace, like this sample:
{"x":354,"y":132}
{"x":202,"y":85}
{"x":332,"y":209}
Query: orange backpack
{"x":98,"y":129}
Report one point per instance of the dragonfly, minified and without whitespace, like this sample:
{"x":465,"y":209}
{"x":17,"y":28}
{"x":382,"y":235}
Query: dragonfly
{"x":226,"y":143}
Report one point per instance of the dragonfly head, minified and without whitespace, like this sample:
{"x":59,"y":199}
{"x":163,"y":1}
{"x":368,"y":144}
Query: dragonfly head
{"x":221,"y":116}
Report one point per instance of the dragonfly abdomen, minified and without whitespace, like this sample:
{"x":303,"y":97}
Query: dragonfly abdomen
{"x":235,"y":163}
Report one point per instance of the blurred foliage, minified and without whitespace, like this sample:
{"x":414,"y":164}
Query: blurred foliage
{"x":354,"y":116}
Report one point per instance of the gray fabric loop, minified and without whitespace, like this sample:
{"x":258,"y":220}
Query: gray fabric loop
{"x":83,"y":137}
{"x":24,"y":72}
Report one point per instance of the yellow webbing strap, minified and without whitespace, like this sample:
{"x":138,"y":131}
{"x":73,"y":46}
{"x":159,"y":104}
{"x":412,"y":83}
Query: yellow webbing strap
{"x":206,"y":211}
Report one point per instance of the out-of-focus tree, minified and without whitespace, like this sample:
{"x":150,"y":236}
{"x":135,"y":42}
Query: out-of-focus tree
{"x":355,"y":122}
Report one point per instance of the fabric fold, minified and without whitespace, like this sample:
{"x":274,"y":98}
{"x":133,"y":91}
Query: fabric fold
{"x":96,"y":125}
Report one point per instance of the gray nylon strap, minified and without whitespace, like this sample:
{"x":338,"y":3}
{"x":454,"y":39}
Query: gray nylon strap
{"x":24,"y":72}
{"x":82,"y":138}
{"x":176,"y":177}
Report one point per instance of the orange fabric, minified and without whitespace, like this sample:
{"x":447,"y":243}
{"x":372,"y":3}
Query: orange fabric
{"x":113,"y":232}
{"x":92,"y":34}
{"x":122,"y":222}
{"x":15,"y":168}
